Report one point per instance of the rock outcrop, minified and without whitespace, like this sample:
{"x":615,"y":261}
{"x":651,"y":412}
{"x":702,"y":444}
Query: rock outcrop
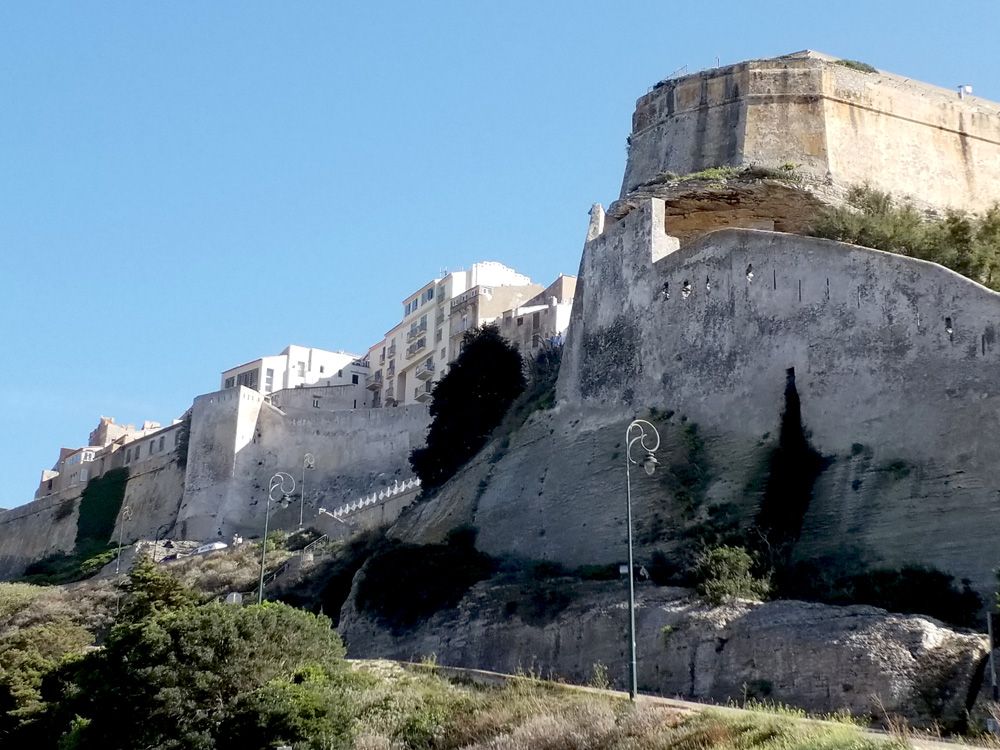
{"x":822,"y":658}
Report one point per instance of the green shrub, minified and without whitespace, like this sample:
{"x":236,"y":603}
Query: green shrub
{"x":301,"y":538}
{"x":727,"y":572}
{"x":150,"y":590}
{"x":403,"y":584}
{"x":858,"y":65}
{"x":969,"y":245}
{"x":59,"y":568}
{"x":15,"y":597}
{"x":188,"y":673}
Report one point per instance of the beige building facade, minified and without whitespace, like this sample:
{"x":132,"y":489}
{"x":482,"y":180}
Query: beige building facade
{"x":413,"y":354}
{"x":543,"y":319}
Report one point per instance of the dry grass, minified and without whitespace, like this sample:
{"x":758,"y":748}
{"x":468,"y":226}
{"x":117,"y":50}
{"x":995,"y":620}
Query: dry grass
{"x":90,"y":604}
{"x":218,"y":573}
{"x":401,"y":709}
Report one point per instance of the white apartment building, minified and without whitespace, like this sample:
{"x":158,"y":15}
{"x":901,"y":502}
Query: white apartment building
{"x":413,"y":354}
{"x":295,"y":367}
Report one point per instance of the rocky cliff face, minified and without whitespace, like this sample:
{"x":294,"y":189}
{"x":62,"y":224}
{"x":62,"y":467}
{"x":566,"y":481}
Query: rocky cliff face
{"x":822,"y":658}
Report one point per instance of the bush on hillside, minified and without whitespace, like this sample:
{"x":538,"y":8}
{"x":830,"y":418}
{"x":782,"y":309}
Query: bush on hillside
{"x":969,"y":245}
{"x":191,"y":673}
{"x":150,"y":590}
{"x":727,"y":573}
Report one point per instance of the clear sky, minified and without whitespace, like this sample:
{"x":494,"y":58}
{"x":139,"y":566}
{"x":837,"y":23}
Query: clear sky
{"x":185,"y":186}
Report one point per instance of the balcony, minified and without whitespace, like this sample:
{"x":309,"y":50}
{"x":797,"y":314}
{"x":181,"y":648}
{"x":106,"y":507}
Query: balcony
{"x":439,"y":318}
{"x":422,"y":393}
{"x":416,"y":347}
{"x":392,"y":351}
{"x":416,"y":330}
{"x":381,"y":359}
{"x":373,"y":381}
{"x":389,"y":394}
{"x":425,"y":369}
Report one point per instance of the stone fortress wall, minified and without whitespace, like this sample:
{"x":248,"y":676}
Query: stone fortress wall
{"x":895,"y":362}
{"x":840,"y":125}
{"x":237,"y":442}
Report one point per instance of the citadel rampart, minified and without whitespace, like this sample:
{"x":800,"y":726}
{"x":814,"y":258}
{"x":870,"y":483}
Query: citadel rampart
{"x":841,"y":126}
{"x":238,"y":441}
{"x":895,"y":365}
{"x":895,"y":362}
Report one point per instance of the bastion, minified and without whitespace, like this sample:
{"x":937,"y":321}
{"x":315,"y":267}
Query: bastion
{"x":827,"y":125}
{"x":704,"y":329}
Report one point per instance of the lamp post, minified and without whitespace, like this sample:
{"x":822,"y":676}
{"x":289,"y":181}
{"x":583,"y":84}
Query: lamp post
{"x":126,"y":516}
{"x":639,"y":431}
{"x":308,"y":462}
{"x":283,"y":483}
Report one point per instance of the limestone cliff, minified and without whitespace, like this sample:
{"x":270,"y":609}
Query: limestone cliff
{"x":821,"y":658}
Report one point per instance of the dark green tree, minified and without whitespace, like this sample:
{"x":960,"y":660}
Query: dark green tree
{"x":469,"y":402}
{"x":150,"y":590}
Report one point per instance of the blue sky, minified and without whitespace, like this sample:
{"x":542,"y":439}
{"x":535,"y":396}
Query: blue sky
{"x":186,"y":186}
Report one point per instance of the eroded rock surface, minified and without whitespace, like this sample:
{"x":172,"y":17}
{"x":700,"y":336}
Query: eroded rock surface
{"x":819,"y":657}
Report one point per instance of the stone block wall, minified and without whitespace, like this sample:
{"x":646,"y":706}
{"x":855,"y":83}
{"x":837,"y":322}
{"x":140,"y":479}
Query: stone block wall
{"x":840,"y":126}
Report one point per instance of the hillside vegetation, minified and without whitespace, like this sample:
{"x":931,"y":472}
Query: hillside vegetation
{"x":969,"y":245}
{"x":170,"y":673}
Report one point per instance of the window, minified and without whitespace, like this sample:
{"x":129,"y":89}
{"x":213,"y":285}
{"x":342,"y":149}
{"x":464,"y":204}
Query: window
{"x":161,"y":442}
{"x":340,"y":373}
{"x":230,"y":382}
{"x":520,"y":322}
{"x":437,"y":336}
{"x":269,"y":379}
{"x":315,"y":402}
{"x":152,"y":445}
{"x":322,"y":369}
{"x":128,"y":456}
{"x":177,"y":437}
{"x":443,"y":352}
{"x":354,"y":379}
{"x":247,"y":379}
{"x":535,"y":318}
{"x":302,"y":369}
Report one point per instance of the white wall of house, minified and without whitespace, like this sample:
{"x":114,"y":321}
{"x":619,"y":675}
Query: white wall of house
{"x":295,"y":366}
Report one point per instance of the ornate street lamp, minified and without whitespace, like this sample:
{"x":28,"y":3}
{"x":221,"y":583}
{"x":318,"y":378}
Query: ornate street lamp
{"x":642,"y":432}
{"x":308,"y":462}
{"x":282,"y":483}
